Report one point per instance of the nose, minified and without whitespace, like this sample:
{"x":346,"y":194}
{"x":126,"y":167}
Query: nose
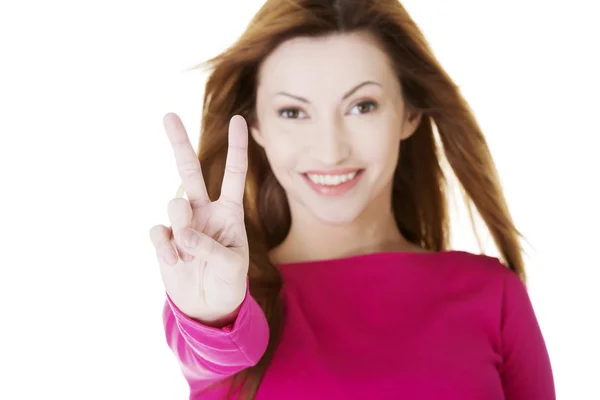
{"x":331,"y":145}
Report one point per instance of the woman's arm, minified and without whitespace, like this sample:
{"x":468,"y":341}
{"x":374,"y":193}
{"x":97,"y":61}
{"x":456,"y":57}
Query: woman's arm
{"x":208,"y":355}
{"x":526,"y":371}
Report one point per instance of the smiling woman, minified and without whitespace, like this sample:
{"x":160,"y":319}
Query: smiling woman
{"x":318,"y":130}
{"x":311,"y":258}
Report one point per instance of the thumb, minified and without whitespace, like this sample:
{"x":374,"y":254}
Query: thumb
{"x":180,"y":213}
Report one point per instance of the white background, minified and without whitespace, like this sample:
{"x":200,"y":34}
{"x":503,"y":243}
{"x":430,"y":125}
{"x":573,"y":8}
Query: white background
{"x":87,"y":170}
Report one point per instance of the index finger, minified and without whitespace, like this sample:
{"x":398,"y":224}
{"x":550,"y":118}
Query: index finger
{"x":187,"y":161}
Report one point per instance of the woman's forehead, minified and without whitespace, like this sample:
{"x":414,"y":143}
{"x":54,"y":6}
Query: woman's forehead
{"x":304,"y":62}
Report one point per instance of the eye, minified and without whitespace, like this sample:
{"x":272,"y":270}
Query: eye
{"x":364,"y":107}
{"x":291,"y":113}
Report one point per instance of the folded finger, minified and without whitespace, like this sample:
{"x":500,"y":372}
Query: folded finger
{"x":180,"y":216}
{"x":160,"y":236}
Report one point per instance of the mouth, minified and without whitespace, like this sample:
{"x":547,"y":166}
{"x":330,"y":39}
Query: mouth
{"x":333,"y":183}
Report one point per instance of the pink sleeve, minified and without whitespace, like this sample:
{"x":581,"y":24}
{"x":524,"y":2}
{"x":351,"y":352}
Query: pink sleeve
{"x":209,"y":355}
{"x":526,"y":370}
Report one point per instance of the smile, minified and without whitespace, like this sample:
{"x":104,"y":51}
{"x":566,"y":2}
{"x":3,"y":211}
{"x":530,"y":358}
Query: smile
{"x":331,"y":180}
{"x":333,"y":183}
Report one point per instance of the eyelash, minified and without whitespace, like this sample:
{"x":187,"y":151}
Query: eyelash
{"x":372,"y":107}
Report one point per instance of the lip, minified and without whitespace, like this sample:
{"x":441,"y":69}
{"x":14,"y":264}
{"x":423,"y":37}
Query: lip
{"x":338,"y":171}
{"x":337,"y":190}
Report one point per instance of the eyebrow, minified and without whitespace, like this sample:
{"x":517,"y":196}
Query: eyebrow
{"x":348,"y":94}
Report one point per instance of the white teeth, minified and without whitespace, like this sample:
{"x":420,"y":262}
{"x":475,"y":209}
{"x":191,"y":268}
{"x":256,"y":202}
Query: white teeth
{"x":331,"y":180}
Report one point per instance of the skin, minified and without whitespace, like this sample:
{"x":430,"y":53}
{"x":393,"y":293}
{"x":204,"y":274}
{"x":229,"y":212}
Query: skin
{"x":341,"y":122}
{"x":204,"y":255}
{"x":324,"y":104}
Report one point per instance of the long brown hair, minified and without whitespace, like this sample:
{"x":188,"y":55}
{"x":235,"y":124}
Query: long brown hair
{"x":447,"y":129}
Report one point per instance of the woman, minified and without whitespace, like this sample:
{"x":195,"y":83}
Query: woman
{"x":322,"y":269}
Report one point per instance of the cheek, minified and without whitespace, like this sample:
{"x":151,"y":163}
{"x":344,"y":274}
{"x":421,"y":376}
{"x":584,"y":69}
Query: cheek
{"x":282,"y":144}
{"x":282,"y":154}
{"x":380,"y":147}
{"x":384,"y":160}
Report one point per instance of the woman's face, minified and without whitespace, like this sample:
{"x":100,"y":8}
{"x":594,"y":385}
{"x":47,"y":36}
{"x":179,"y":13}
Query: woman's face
{"x":331,"y":118}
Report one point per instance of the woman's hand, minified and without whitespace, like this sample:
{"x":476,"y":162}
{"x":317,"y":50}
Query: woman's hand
{"x":207,"y":281}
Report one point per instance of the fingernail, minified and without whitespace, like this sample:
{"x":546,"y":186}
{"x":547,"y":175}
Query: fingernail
{"x":170,"y":257}
{"x":190,"y":239}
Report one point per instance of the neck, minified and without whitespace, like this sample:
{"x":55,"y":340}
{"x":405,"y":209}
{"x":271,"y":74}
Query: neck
{"x":309,"y":239}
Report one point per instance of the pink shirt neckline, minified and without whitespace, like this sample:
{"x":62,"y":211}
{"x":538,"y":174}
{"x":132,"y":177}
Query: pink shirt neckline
{"x":407,"y":255}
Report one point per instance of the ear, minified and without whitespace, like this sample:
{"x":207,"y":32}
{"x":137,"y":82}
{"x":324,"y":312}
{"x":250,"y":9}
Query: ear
{"x":257,"y":135}
{"x":411,"y":123}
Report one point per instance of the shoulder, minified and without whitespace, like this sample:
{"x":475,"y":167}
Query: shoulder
{"x":479,"y":274}
{"x":486,"y":285}
{"x":473,"y":265}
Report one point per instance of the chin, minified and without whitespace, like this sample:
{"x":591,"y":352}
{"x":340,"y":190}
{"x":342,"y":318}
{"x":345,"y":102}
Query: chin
{"x":334,"y":210}
{"x":337,"y":215}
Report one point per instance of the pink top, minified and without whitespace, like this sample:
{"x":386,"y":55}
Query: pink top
{"x":449,"y":325}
